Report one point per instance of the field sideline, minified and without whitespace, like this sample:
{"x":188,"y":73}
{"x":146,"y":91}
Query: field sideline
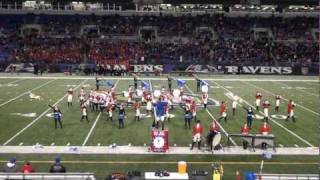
{"x":20,"y":130}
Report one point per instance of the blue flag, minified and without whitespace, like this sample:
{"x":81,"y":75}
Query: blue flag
{"x":106,"y":83}
{"x":204,"y":83}
{"x":109,"y":83}
{"x":145,"y":84}
{"x":181,"y":82}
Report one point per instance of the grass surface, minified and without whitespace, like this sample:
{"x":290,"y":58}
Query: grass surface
{"x":42,"y":131}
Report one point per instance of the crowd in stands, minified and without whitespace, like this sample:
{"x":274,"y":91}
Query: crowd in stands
{"x":231,"y":41}
{"x":12,"y":167}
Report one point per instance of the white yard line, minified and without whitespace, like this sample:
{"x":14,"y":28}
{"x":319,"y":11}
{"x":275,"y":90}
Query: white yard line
{"x":307,"y":109}
{"x":164,"y":78}
{"x":232,"y":141}
{"x":313,"y":94}
{"x":91,"y":130}
{"x":95,"y":122}
{"x":280,"y":125}
{"x":18,"y":80}
{"x":39,"y":117}
{"x":26,"y":92}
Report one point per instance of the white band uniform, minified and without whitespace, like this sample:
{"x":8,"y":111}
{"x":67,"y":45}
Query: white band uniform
{"x":70,"y":98}
{"x":258,"y":102}
{"x":197,"y":137}
{"x":266,"y":112}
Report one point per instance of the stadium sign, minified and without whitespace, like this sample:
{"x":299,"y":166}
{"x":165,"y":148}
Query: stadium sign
{"x":147,"y":68}
{"x":258,"y":70}
{"x":239,"y":69}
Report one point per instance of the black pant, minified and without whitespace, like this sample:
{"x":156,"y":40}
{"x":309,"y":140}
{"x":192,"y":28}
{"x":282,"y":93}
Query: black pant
{"x":249,"y":121}
{"x":56,"y":121}
{"x":82,"y":117}
{"x":121,"y":123}
{"x":187,"y":122}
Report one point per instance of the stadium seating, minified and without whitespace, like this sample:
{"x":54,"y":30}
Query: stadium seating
{"x":225,"y":40}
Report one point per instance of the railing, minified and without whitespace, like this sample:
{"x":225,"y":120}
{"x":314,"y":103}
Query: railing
{"x":44,"y":176}
{"x":135,"y":9}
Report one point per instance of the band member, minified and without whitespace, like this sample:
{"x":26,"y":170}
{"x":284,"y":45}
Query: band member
{"x":198,"y":84}
{"x":121,"y":115}
{"x":245,"y":131}
{"x":160,"y":111}
{"x":56,"y":116}
{"x":136,"y":107}
{"x":144,"y":95}
{"x":205,"y":100}
{"x":81,"y":95}
{"x":278,"y":98}
{"x":95,"y":102}
{"x":250,"y":115}
{"x":84,"y":113}
{"x":223,"y":111}
{"x":130,"y":95}
{"x":110,"y":108}
{"x":258,"y":100}
{"x":135,"y":81}
{"x":97,"y":83}
{"x":194,"y":110}
{"x":102,"y":102}
{"x":197,"y":131}
{"x":113,"y":94}
{"x":70,"y":96}
{"x":290,"y":111}
{"x":234,"y":105}
{"x":265,"y":107}
{"x":265,"y":129}
{"x":187,"y":116}
{"x":181,"y":92}
{"x":149,"y":105}
{"x":213,"y":131}
{"x":167,"y":108}
{"x":91,"y":96}
{"x":187,"y":119}
{"x":170,"y":83}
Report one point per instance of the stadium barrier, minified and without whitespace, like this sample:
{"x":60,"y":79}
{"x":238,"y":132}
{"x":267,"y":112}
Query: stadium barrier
{"x":288,"y":176}
{"x":55,"y":176}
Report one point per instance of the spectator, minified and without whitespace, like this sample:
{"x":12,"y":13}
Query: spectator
{"x":57,"y":167}
{"x":10,"y":166}
{"x":27,"y":168}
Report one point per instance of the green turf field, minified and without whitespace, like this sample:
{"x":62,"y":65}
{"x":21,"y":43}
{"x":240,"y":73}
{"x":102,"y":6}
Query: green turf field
{"x":16,"y":129}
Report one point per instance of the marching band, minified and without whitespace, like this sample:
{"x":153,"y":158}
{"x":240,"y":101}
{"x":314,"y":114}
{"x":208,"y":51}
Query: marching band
{"x":161,"y":102}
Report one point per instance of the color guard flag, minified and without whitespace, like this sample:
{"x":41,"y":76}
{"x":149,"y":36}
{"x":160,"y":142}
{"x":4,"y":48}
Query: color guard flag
{"x":109,"y":83}
{"x":204,"y":83}
{"x":181,"y":82}
{"x":145,"y":84}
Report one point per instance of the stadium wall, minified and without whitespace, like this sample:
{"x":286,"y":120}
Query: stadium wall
{"x":171,"y":68}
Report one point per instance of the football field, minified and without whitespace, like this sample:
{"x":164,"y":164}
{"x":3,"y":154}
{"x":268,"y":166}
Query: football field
{"x":25,"y":121}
